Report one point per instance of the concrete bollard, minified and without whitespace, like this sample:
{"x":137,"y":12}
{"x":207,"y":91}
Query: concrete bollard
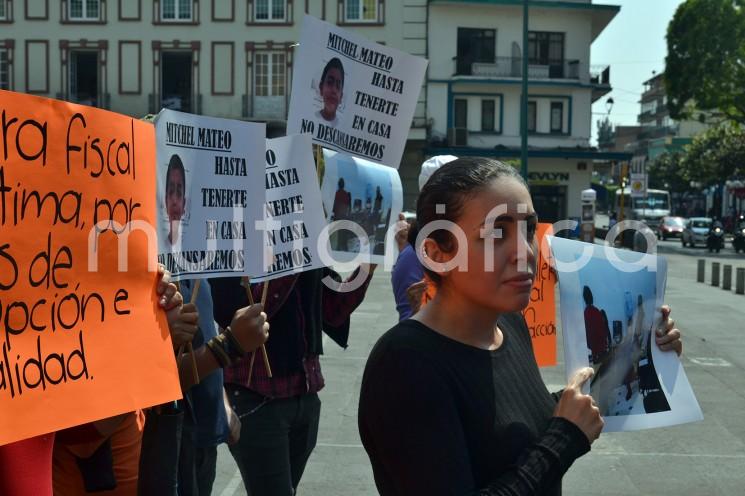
{"x":715,"y":273}
{"x":740,"y":281}
{"x":727,"y":278}
{"x":701,"y":270}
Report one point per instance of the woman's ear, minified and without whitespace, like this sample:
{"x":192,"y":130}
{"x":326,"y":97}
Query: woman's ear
{"x":434,"y":258}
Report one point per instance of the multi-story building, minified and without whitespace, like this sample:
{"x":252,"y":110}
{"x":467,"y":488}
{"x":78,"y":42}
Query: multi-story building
{"x":659,"y":132}
{"x":225,"y":58}
{"x":474,"y":92}
{"x":234,"y":58}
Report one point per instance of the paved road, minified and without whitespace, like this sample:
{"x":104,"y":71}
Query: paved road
{"x":704,"y":458}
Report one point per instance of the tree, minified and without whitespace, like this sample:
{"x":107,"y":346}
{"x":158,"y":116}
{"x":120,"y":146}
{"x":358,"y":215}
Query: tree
{"x":605,"y":134}
{"x":715,"y":155}
{"x":666,"y":173}
{"x":703,"y":67}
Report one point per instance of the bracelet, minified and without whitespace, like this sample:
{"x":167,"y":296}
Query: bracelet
{"x":231,"y":339}
{"x":218,"y":350}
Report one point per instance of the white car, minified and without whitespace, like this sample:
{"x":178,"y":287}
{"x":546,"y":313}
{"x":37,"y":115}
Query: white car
{"x":696,"y":230}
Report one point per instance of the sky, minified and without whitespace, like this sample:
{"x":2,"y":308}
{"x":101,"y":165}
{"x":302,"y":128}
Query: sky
{"x":634,"y":45}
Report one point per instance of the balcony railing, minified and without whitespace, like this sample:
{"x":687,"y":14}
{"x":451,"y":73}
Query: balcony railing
{"x":658,"y":132}
{"x":511,"y":67}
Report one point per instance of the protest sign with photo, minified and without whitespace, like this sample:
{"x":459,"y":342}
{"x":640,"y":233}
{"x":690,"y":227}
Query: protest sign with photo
{"x":293,"y":212}
{"x":610,"y":310}
{"x":353,"y":95}
{"x":367,"y":198}
{"x":81,"y":335}
{"x":210,"y":176}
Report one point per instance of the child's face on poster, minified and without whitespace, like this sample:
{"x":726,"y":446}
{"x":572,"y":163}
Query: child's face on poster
{"x":175,"y":199}
{"x":331,"y":91}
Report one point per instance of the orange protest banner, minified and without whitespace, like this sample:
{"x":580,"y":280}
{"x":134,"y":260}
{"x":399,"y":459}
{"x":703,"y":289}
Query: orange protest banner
{"x":81,"y":335}
{"x":540,"y":314}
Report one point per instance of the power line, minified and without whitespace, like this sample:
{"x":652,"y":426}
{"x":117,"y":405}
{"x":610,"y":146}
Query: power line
{"x":627,"y":91}
{"x":630,"y":62}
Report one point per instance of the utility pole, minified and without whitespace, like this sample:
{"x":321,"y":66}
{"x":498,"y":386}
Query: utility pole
{"x":524,"y":98}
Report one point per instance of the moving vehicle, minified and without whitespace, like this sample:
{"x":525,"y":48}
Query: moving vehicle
{"x":696,"y":231}
{"x":670,"y":227}
{"x":650,"y":209}
{"x":738,"y":243}
{"x":715,"y":238}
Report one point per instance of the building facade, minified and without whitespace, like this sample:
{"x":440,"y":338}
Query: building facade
{"x":224,"y":58}
{"x":474,"y":89}
{"x":235,"y":58}
{"x":660,"y":133}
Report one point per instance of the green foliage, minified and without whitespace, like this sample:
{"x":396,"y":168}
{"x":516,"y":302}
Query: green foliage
{"x":666,"y":173}
{"x":715,"y":155}
{"x":704,"y":68}
{"x":605,"y":134}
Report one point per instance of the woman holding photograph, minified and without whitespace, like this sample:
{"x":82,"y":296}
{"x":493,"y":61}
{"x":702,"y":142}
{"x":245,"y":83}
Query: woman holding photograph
{"x":452,"y":401}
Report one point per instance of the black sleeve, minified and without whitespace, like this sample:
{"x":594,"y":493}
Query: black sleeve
{"x":410,"y":426}
{"x":228,"y":295}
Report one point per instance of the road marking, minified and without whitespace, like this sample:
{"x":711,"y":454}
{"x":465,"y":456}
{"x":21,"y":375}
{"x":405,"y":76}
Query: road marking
{"x":332,"y":445}
{"x":341,"y":357}
{"x":668,"y":455}
{"x":603,"y":453}
{"x":710,"y":362}
{"x":233,"y":485}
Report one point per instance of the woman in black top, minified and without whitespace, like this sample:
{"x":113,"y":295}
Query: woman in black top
{"x":452,"y":401}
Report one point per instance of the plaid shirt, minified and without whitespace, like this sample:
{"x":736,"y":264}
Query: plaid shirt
{"x":337,"y":308}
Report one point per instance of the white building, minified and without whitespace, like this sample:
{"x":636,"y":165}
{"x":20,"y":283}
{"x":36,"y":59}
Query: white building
{"x":474,"y":89}
{"x":234,"y":58}
{"x":225,"y":58}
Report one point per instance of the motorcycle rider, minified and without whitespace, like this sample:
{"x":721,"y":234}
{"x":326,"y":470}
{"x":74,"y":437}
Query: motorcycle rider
{"x":715,"y":239}
{"x":738,"y":242}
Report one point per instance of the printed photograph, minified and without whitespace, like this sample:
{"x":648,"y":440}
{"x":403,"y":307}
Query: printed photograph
{"x":174,"y":198}
{"x":619,"y":321}
{"x":328,"y":92}
{"x":362,"y":192}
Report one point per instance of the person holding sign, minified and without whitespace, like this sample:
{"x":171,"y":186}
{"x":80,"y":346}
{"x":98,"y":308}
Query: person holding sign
{"x":280,"y":414}
{"x":452,"y":401}
{"x":104,"y":455}
{"x":331,"y":89}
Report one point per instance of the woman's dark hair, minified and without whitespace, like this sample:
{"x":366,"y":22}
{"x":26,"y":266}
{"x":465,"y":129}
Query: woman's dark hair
{"x":451,"y":185}
{"x":334,"y":63}
{"x":176,"y":164}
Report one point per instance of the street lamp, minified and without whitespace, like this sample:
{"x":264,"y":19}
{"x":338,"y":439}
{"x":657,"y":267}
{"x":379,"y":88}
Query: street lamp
{"x":609,"y":105}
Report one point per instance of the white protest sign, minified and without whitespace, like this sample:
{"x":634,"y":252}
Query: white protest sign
{"x":293,"y":212}
{"x":353,"y":95}
{"x":367,"y":198}
{"x":638,"y":176}
{"x":210,"y":188}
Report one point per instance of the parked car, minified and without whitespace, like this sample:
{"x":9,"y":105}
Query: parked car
{"x":670,"y":227}
{"x":696,"y":230}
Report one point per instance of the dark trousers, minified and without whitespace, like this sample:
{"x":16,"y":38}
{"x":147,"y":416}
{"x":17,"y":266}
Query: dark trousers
{"x":197,"y":466}
{"x":277,"y":438}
